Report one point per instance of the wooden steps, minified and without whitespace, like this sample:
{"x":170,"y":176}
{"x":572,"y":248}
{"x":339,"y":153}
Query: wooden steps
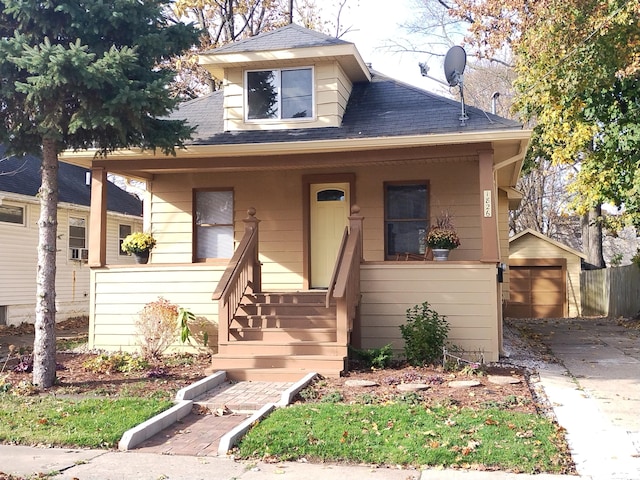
{"x":281,"y":337}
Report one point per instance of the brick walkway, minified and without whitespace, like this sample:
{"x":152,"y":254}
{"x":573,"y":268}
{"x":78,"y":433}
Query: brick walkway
{"x":198,"y":434}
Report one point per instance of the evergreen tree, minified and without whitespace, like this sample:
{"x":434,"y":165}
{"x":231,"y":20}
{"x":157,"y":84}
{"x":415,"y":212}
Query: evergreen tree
{"x":77,"y":74}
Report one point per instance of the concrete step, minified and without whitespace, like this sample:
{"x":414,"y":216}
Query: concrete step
{"x":276,"y":374}
{"x":286,"y":335}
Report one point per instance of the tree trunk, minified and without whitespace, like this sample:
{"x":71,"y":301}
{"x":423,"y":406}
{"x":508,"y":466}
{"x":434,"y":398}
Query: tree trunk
{"x":592,"y":238}
{"x":44,"y":345}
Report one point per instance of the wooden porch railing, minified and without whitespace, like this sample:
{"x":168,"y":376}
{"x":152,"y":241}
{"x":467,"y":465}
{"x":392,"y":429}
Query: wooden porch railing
{"x":346,"y":290}
{"x":242,"y":275}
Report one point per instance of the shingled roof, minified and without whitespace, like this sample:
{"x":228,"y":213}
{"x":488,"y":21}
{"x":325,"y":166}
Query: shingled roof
{"x":22,"y":176}
{"x":383,"y":107}
{"x":290,"y":36}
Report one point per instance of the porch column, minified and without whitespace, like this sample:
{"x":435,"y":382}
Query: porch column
{"x":488,"y":206}
{"x":98,"y":218}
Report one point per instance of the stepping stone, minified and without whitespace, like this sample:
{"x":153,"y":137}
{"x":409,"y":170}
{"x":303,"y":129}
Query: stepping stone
{"x":412,"y":387}
{"x":503,"y":380}
{"x":361,"y":383}
{"x":464,"y":383}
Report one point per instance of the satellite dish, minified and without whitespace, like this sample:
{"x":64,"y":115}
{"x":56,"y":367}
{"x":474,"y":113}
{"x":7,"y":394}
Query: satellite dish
{"x":454,"y":62}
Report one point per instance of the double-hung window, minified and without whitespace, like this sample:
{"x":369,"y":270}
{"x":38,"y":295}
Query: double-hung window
{"x":406,"y":217}
{"x":123,"y":232}
{"x":279,"y":94}
{"x":213,"y":224}
{"x":12,"y":214}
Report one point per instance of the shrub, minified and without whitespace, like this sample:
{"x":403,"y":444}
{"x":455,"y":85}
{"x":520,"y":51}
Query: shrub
{"x":424,"y":334}
{"x":636,"y":258}
{"x":157,"y":327}
{"x":374,"y":358}
{"x":115,"y":362}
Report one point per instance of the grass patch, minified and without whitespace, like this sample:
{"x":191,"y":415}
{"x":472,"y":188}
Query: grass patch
{"x":411,"y":435}
{"x":65,"y":344}
{"x":92,"y":422}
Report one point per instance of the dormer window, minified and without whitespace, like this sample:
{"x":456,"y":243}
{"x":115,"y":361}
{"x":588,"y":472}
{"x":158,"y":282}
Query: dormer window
{"x":279,"y":94}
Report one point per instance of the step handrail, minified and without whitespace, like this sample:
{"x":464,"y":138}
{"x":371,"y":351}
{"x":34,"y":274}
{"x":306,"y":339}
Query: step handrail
{"x":346,"y":290}
{"x":243,"y":273}
{"x":336,"y":267}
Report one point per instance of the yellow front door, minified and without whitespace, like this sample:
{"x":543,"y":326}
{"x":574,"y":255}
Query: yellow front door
{"x":330,"y":207}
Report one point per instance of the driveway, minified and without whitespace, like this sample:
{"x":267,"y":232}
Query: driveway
{"x":594,"y":390}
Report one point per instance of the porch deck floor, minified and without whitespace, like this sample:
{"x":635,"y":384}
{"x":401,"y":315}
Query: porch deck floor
{"x":199,"y":434}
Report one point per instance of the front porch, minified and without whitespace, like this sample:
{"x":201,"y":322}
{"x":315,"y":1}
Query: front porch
{"x":284,"y":335}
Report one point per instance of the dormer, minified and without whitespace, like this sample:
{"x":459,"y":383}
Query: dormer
{"x":288,"y":78}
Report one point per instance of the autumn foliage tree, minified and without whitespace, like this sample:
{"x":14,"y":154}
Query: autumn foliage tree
{"x":578,"y":67}
{"x":75,"y":75}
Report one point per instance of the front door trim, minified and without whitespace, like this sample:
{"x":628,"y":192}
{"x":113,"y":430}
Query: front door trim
{"x":307,"y":181}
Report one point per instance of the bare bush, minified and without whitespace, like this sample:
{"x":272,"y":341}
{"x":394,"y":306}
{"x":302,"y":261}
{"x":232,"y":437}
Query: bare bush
{"x":157,"y":327}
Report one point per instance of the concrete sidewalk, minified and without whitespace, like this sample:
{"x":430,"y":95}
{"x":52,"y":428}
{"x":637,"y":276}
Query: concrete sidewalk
{"x":101,"y":465}
{"x":594,"y":391}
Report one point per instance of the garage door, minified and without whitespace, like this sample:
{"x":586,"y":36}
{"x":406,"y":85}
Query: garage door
{"x":536,"y":291}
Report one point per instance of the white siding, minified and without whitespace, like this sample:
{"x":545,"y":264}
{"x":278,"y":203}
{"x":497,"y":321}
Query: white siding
{"x":116,"y":305}
{"x":18,"y":263}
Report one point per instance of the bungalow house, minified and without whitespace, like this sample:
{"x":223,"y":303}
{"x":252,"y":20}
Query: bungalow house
{"x":19,"y":212}
{"x":288,"y":219}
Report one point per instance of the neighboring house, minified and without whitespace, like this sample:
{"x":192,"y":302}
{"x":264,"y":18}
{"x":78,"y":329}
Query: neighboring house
{"x":544,"y":277}
{"x":304,"y":132}
{"x":19,"y":212}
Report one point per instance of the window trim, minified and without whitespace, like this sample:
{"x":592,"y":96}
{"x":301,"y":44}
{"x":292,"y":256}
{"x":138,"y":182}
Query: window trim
{"x":121,"y":238}
{"x":385,"y":218}
{"x":194,"y":226}
{"x":82,"y":251}
{"x":21,"y":206}
{"x":279,"y":119}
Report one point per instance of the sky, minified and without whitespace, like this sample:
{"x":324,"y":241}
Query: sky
{"x":373,"y":23}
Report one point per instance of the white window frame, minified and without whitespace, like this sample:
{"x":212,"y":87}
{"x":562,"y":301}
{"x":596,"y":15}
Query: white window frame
{"x":82,"y":253}
{"x":278,"y":72}
{"x":24,"y":213}
{"x":121,"y":238}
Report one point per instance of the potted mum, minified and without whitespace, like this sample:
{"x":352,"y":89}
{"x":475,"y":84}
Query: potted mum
{"x":138,"y":244}
{"x":442,"y":236}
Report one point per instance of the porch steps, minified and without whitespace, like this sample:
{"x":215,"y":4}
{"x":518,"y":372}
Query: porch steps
{"x":281,"y":337}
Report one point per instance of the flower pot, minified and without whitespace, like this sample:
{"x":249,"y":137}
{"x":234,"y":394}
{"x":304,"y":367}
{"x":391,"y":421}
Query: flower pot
{"x":440,"y":254}
{"x":141,"y":257}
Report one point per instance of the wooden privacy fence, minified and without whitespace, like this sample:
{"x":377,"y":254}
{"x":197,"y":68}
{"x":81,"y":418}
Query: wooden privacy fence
{"x":611,"y":292}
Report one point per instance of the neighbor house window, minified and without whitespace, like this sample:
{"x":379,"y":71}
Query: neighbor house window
{"x":406,"y":218}
{"x":77,"y":232}
{"x":12,"y":214}
{"x":214,"y":224}
{"x":123,"y":232}
{"x":279,"y":94}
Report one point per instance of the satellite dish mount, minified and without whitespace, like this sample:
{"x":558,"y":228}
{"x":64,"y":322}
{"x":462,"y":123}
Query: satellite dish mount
{"x":455,"y":62}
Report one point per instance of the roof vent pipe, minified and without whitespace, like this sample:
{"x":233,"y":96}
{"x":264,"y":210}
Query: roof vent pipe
{"x":494,"y":98}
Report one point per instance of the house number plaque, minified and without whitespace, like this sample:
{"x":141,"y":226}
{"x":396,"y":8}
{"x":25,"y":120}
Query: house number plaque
{"x":487,"y":203}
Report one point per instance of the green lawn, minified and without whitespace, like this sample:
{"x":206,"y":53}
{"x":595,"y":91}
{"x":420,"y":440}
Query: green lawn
{"x":92,"y":422}
{"x":401,"y":434}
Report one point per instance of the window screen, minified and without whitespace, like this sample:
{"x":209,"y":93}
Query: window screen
{"x":214,"y":224}
{"x":406,"y":218}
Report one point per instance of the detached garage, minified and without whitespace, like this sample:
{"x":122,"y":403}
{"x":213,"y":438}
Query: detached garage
{"x":544,"y":277}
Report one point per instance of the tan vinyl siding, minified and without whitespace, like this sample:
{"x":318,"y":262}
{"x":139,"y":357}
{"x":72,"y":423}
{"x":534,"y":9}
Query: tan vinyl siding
{"x":19,"y":257}
{"x":116,"y":305}
{"x":277,"y":196}
{"x":332,"y":90}
{"x":532,"y":247}
{"x":464,"y":293}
